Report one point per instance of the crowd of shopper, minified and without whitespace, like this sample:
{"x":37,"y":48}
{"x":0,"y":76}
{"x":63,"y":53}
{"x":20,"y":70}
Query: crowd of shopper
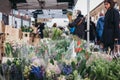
{"x":106,"y":31}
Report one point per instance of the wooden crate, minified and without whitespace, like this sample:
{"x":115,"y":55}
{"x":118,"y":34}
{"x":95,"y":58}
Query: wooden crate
{"x":36,"y":41}
{"x":34,"y":29}
{"x":26,"y":37}
{"x":2,"y":27}
{"x":2,"y":52}
{"x":12,"y":34}
{"x":8,"y":33}
{"x":16,"y":33}
{"x":2,"y":38}
{"x":1,"y":46}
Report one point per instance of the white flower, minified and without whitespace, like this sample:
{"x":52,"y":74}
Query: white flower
{"x":61,"y":77}
{"x":54,"y":68}
{"x":38,"y":62}
{"x":48,"y":73}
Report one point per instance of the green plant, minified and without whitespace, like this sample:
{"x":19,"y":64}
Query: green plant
{"x":103,"y":70}
{"x":69,"y":13}
{"x":56,"y":33}
{"x":46,"y":32}
{"x":26,"y":29}
{"x":8,"y":50}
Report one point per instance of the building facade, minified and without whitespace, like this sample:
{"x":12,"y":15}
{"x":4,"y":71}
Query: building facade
{"x":16,"y":20}
{"x":101,"y":9}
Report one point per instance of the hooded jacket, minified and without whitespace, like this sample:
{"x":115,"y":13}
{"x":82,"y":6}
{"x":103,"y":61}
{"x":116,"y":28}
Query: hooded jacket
{"x":100,"y":26}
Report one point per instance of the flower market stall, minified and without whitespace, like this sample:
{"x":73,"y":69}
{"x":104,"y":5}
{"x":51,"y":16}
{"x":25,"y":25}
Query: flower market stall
{"x":57,"y":58}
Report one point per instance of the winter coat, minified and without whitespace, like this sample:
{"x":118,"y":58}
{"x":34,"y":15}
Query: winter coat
{"x":111,"y":27}
{"x":100,"y":26}
{"x":92,"y":31}
{"x":40,"y":29}
{"x":119,"y":30}
{"x":79,"y":29}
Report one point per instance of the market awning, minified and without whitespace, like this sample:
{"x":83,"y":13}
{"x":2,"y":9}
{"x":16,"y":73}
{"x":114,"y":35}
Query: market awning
{"x":5,"y":6}
{"x":47,"y":4}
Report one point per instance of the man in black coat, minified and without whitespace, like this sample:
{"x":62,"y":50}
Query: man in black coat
{"x":119,"y":31}
{"x":111,"y":25}
{"x":40,"y":29}
{"x":92,"y":31}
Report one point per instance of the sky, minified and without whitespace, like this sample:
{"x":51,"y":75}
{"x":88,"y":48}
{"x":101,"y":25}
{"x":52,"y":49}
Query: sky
{"x":82,"y":5}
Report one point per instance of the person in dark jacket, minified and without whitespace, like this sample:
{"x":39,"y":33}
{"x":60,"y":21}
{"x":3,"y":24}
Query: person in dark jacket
{"x":119,"y":33}
{"x":40,"y":29}
{"x":92,"y":31}
{"x":78,"y":23}
{"x":111,"y":25}
{"x":100,"y":27}
{"x":54,"y":25}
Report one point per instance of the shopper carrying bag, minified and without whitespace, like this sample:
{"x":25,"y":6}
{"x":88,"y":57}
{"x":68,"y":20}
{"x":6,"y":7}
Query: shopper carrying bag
{"x":77,"y":26}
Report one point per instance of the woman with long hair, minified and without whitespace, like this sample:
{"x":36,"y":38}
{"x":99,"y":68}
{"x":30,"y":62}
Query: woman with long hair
{"x":111,"y":26}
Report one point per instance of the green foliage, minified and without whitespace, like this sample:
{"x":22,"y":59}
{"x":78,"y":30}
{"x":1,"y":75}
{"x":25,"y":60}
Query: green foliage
{"x":61,"y":47}
{"x":56,"y":34}
{"x":63,"y":44}
{"x":73,"y":65}
{"x":52,"y":61}
{"x":8,"y":50}
{"x":46,"y":32}
{"x":26,"y":29}
{"x":42,"y":49}
{"x":69,"y":13}
{"x":58,"y":57}
{"x":82,"y":66}
{"x":104,"y":70}
{"x":9,"y":62}
{"x":70,"y":77}
{"x":53,"y":33}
